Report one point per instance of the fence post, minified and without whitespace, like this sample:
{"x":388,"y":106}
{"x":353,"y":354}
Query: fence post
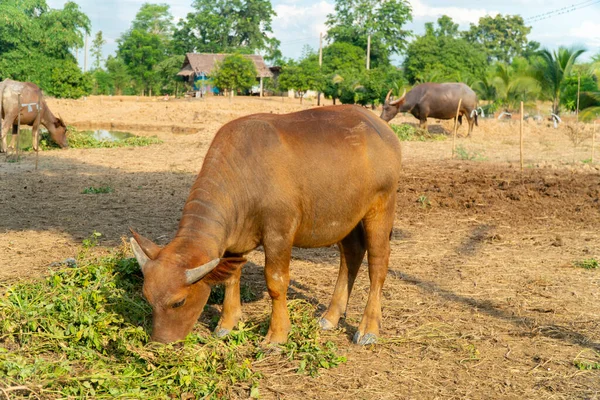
{"x":593,"y":141}
{"x":455,"y":128}
{"x":521,"y":136}
{"x":37,"y":145}
{"x":18,"y":127}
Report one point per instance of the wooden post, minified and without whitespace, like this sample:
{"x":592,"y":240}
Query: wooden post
{"x":261,"y":86}
{"x":368,"y":52}
{"x":37,"y":151}
{"x":578,"y":93}
{"x":18,"y":126}
{"x":593,"y":141}
{"x":521,"y":130}
{"x":455,"y":127}
{"x":320,"y":63}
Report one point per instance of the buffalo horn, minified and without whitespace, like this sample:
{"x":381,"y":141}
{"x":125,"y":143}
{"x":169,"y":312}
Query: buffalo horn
{"x":387,"y":98}
{"x":140,"y":256}
{"x":195,"y":274}
{"x":393,"y":103}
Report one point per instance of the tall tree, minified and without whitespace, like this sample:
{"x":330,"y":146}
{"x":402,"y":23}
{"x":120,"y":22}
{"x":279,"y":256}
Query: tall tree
{"x":441,"y":55}
{"x":503,"y":37}
{"x":96,"y":49}
{"x":146,"y":44}
{"x":235,"y":72}
{"x":221,"y":26}
{"x":355,"y":20}
{"x":35,"y":40}
{"x":552,"y":70}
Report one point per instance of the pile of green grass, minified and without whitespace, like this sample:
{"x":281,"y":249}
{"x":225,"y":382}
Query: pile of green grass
{"x":408,"y":133}
{"x":83,"y":332}
{"x":84,"y":140}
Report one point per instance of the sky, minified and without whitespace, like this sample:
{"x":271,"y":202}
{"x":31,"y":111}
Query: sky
{"x":298,"y":23}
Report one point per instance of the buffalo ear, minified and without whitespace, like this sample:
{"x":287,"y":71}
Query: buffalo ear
{"x":226,"y":268}
{"x":143,"y":249}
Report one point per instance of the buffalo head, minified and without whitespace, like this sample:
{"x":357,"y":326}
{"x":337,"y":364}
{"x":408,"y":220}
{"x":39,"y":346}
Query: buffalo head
{"x":58,"y":133}
{"x":391,"y":108}
{"x":177,"y":285}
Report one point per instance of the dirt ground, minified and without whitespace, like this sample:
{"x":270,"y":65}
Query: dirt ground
{"x":481,"y":301}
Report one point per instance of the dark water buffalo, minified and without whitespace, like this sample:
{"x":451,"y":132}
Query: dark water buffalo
{"x":31,"y":96}
{"x":307,"y":179}
{"x":434,"y":100}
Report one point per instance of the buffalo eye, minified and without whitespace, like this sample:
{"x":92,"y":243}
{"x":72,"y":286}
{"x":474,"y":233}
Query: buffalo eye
{"x":178,"y":304}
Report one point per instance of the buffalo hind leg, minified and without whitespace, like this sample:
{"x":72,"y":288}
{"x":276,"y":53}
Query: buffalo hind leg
{"x":278,"y":253}
{"x":378,"y":225}
{"x":232,"y":305}
{"x":352,"y":251}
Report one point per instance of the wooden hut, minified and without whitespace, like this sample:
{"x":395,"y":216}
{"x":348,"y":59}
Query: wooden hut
{"x":197,"y":67}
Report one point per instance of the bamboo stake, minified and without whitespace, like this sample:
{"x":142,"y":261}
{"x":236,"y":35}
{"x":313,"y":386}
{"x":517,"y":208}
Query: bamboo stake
{"x":455,"y":128}
{"x":37,"y":149}
{"x":521,"y":136}
{"x":18,"y":126}
{"x":593,"y":141}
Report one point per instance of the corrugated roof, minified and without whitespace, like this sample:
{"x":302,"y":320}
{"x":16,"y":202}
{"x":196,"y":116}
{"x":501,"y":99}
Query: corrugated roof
{"x":204,"y":63}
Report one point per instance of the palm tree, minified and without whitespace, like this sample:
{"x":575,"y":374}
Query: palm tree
{"x":512,"y":87}
{"x":553,"y":68}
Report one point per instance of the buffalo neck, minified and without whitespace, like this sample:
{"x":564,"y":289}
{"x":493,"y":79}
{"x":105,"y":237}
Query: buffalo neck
{"x":48,"y":119}
{"x":211,"y":214}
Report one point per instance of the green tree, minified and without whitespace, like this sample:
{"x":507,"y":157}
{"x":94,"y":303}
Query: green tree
{"x":119,"y":76}
{"x":440,"y":55}
{"x":514,"y":84}
{"x":145,"y":45}
{"x":302,"y":76}
{"x":225,"y":26}
{"x":355,"y":20}
{"x":568,"y":97}
{"x":35,"y":40}
{"x":96,"y":49}
{"x":503,"y":37}
{"x":166,"y":72}
{"x":553,"y":68}
{"x":234,"y":73}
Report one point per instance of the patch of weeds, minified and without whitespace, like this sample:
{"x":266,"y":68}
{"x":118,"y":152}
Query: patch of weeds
{"x":86,"y":140}
{"x":97,"y":190}
{"x":83,"y":333}
{"x":463,"y":154}
{"x":587,"y":363}
{"x":587,"y":161}
{"x":424,"y":201}
{"x":304,"y":344}
{"x":408,"y":133}
{"x":591,"y":263}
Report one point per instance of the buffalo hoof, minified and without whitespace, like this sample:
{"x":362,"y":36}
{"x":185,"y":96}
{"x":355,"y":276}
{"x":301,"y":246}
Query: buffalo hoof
{"x":366,"y":339}
{"x":221,"y":332}
{"x":325,"y":325}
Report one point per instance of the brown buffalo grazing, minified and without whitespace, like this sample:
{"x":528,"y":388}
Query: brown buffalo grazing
{"x":434,"y":100}
{"x":31,"y":96}
{"x":307,"y":179}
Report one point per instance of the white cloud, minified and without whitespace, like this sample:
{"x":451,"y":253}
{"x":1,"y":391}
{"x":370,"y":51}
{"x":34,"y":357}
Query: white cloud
{"x":297,"y":25}
{"x":588,"y":32}
{"x":460,"y":15}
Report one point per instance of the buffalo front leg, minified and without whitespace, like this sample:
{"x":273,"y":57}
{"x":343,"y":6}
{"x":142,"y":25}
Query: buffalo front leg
{"x":277,"y":275}
{"x":352,"y":252}
{"x":423,"y":123}
{"x":232,"y":305}
{"x":378,"y":225}
{"x":471,"y":123}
